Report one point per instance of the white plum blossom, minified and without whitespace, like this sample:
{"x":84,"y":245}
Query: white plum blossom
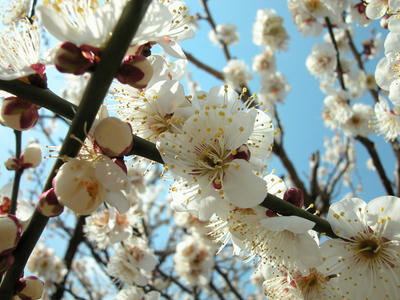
{"x":268,"y":31}
{"x":236,"y":73}
{"x":264,"y":63}
{"x":80,"y":22}
{"x":162,"y":107}
{"x":44,"y":263}
{"x":376,"y":8}
{"x":225,"y":33}
{"x":83,"y":185}
{"x":216,"y":155}
{"x":194,"y":260}
{"x":109,"y":227}
{"x":132,"y":262}
{"x":274,"y":88}
{"x":367,"y":255}
{"x":20,"y":50}
{"x":387,"y":120}
{"x":15,"y":11}
{"x":322,"y":61}
{"x":360,"y":121}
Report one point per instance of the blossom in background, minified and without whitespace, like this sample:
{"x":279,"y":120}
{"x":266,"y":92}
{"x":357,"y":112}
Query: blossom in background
{"x":44,"y":263}
{"x":225,"y":33}
{"x":268,"y":31}
{"x":132,"y":262}
{"x":236,"y":73}
{"x":136,"y":293}
{"x":109,"y":227}
{"x":367,"y":255}
{"x":322,"y":61}
{"x":194,"y":260}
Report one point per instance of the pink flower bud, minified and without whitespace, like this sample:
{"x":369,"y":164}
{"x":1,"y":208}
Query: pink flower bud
{"x":294,"y":196}
{"x":113,"y":137}
{"x":30,"y":288}
{"x":135,"y":71}
{"x":31,"y":156}
{"x":10,"y":232}
{"x":18,"y":113}
{"x":48,"y":204}
{"x":70,"y":59}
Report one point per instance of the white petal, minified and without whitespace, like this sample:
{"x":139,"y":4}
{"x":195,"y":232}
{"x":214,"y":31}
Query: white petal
{"x":347,"y":217}
{"x":119,"y":201}
{"x":294,"y":224}
{"x":242,"y":187}
{"x":111,"y":175}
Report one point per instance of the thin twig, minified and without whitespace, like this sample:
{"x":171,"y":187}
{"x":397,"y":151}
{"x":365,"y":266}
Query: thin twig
{"x":228,"y":282}
{"x":370,"y":146}
{"x":210,"y":20}
{"x":339,"y":64}
{"x":217,"y":74}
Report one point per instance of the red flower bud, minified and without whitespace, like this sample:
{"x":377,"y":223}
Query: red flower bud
{"x":18,"y":113}
{"x":294,"y":196}
{"x":48,"y":204}
{"x":135,"y":71}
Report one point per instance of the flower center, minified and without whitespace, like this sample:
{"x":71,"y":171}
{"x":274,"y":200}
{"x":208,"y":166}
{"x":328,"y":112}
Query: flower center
{"x":369,"y":248}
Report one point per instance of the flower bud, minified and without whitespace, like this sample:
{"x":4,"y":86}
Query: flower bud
{"x":48,"y":204}
{"x":18,"y":113}
{"x":113,"y":136}
{"x":70,"y":59}
{"x":31,"y":156}
{"x":77,"y":188}
{"x":10,"y":232}
{"x":30,"y":288}
{"x":294,"y":196}
{"x":12,"y":164}
{"x":135,"y":71}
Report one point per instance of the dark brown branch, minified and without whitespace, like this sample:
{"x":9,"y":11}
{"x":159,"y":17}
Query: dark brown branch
{"x":74,"y":242}
{"x":42,"y":97}
{"x":17,"y":174}
{"x":92,"y":98}
{"x":214,"y":27}
{"x":339,"y":64}
{"x":370,"y":146}
{"x":215,"y":289}
{"x":228,"y":282}
{"x":217,"y":74}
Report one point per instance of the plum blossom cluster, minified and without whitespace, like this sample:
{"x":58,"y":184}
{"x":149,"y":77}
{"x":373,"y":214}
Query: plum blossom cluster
{"x":215,"y":147}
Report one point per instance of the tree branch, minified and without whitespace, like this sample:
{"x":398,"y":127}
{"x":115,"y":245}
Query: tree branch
{"x":217,"y":74}
{"x":370,"y":146}
{"x":92,"y":99}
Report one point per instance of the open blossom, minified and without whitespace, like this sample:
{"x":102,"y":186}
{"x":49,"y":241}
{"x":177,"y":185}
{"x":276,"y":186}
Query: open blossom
{"x":132,"y":262}
{"x":84,"y":185}
{"x":367,"y":257}
{"x":226,"y":33}
{"x":387,"y":120}
{"x":264,"y":63}
{"x":359,"y":122}
{"x":194,"y":260}
{"x":236,"y":73}
{"x":20,"y":50}
{"x":322,"y":60}
{"x":214,"y":157}
{"x":268,"y":31}
{"x":44,"y":263}
{"x":274,"y":88}
{"x":109,"y":227}
{"x":162,"y":107}
{"x":80,"y":22}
